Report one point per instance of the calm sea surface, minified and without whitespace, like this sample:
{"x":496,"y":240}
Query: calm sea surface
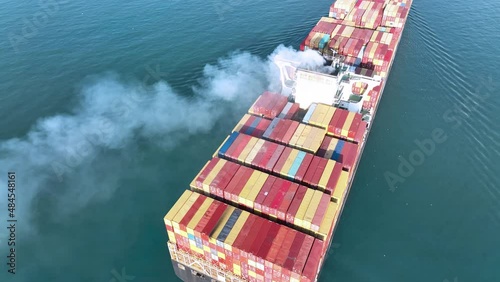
{"x":108,"y":109}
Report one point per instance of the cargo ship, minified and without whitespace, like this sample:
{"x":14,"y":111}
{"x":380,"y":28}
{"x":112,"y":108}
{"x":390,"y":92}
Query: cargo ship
{"x":266,"y":206}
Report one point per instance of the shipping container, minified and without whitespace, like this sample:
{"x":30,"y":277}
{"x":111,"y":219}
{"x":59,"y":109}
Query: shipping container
{"x":269,"y":105}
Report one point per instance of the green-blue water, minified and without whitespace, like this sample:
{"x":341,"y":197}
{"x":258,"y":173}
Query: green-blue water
{"x":101,"y":151}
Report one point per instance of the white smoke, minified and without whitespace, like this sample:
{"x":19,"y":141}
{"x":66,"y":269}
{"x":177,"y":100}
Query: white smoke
{"x":63,"y":155}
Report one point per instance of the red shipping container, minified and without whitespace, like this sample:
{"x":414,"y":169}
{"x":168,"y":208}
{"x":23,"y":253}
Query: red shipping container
{"x":290,"y":131}
{"x":353,"y":155}
{"x":320,"y":212}
{"x":274,"y":251}
{"x":269,"y":166}
{"x":198,"y":182}
{"x":240,"y":173}
{"x":286,"y":270}
{"x":238,"y":146}
{"x":266,"y":245}
{"x":311,"y":171}
{"x":354,"y":126}
{"x":340,"y":122}
{"x":333,"y":122}
{"x":294,"y":206}
{"x":261,"y":128}
{"x":334,"y":178}
{"x":301,"y":260}
{"x":283,"y":254}
{"x":255,"y":240}
{"x":320,"y":169}
{"x":311,"y":268}
{"x":279,"y":106}
{"x":281,"y":161}
{"x":287,"y":200}
{"x":266,"y":205}
{"x":220,"y":182}
{"x":306,"y":162}
{"x":293,"y":111}
{"x":241,"y":184}
{"x":264,"y":192}
{"x":278,"y":199}
{"x":361,"y":132}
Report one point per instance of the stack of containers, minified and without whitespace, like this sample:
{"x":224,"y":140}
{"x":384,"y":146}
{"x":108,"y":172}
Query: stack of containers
{"x":289,"y":112}
{"x":252,"y":125}
{"x":307,"y":138}
{"x":269,"y":196}
{"x":363,"y":34}
{"x":359,"y":87}
{"x":251,"y":151}
{"x":352,"y":48}
{"x":346,"y":125}
{"x":372,"y":18}
{"x":340,"y":151}
{"x":339,"y":43}
{"x":319,"y":115}
{"x":381,"y":37}
{"x":293,"y":164}
{"x":341,"y":8}
{"x":269,"y":105}
{"x":374,"y":95}
{"x":394,"y":15}
{"x":331,"y":20}
{"x":364,"y":71}
{"x":281,"y":130}
{"x":327,"y":176}
{"x":356,"y":14}
{"x":374,"y":55}
{"x":225,"y":236}
{"x":215,"y":176}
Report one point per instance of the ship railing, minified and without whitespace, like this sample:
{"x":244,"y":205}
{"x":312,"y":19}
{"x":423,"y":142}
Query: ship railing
{"x":202,"y":266}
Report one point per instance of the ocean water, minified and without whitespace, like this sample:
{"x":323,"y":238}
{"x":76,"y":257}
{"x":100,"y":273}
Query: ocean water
{"x":109,"y":109}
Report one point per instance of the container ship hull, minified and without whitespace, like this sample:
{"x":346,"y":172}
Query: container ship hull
{"x":206,"y":244}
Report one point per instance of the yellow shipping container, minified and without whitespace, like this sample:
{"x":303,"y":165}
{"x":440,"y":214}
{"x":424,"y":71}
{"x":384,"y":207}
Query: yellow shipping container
{"x":236,"y":269}
{"x":299,"y":216}
{"x":197,"y":216}
{"x":328,"y":220}
{"x":331,"y":148}
{"x":220,"y":225}
{"x":336,"y":30}
{"x":289,"y":162}
{"x":327,"y":172}
{"x":228,"y":243}
{"x":297,"y":133}
{"x":255,"y":190}
{"x":254,"y":151}
{"x":247,"y":149}
{"x":241,"y":123}
{"x":248,"y":186}
{"x":210,"y":177}
{"x":318,"y":114}
{"x":328,"y":116}
{"x":193,"y":183}
{"x":347,"y":123}
{"x":303,"y":136}
{"x":311,"y":210}
{"x":182,"y":212}
{"x":173,"y":211}
{"x":341,"y":187}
